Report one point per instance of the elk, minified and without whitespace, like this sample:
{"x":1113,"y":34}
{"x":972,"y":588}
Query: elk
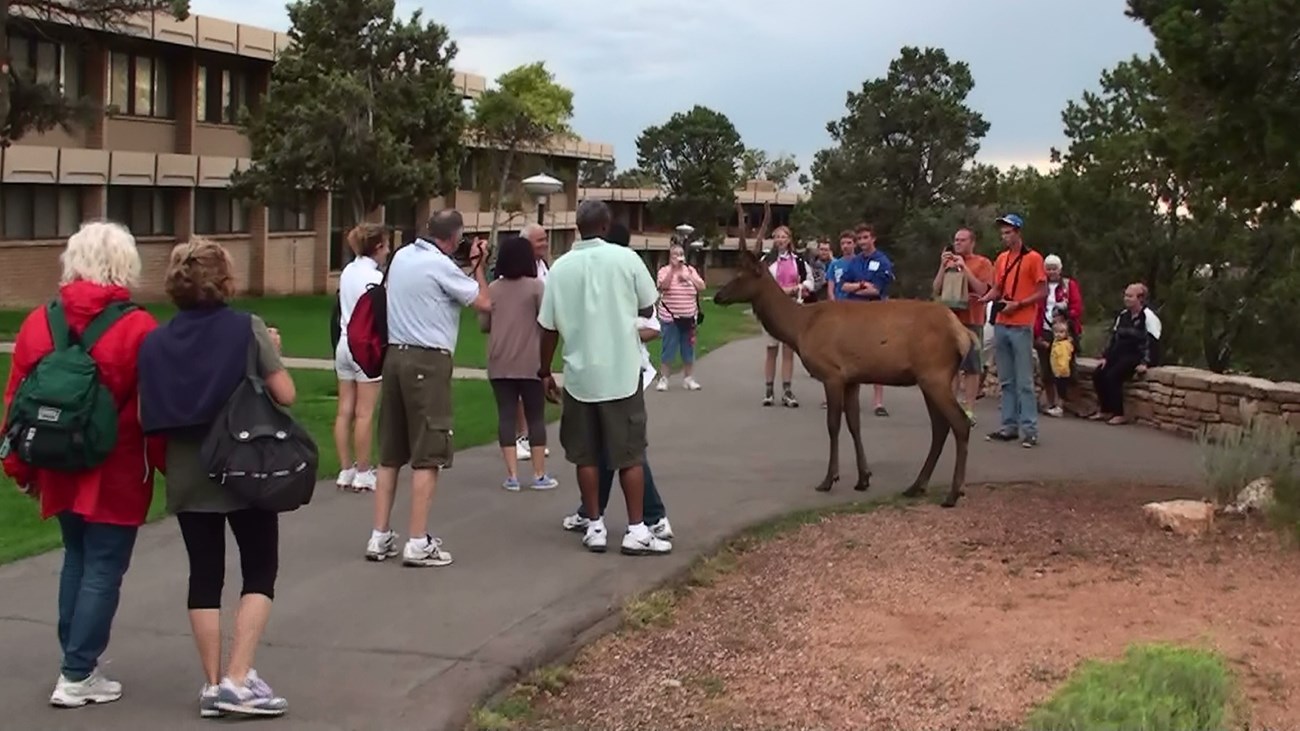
{"x":846,"y":344}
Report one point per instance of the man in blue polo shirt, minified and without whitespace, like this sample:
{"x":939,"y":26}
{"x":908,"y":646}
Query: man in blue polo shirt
{"x":867,"y":279}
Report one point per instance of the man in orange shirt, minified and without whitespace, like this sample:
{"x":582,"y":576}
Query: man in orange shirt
{"x":1019,"y":283}
{"x":961,"y":257}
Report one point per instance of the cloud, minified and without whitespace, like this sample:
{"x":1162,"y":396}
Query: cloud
{"x":780,"y":70}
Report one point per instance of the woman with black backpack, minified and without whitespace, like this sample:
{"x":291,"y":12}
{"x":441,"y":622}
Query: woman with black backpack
{"x":189,"y":370}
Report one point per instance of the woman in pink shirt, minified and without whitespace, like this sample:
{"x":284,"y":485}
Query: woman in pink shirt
{"x":679,"y":306}
{"x":795,"y":279}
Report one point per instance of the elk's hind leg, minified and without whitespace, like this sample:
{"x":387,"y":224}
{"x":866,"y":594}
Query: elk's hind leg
{"x":834,"y":412}
{"x":853,"y":414}
{"x":939,"y":427}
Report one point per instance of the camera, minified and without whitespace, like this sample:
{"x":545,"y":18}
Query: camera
{"x":464,"y":251}
{"x":996,"y":309}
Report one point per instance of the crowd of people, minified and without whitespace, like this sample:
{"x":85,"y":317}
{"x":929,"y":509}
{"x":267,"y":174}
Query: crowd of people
{"x":164,"y":385}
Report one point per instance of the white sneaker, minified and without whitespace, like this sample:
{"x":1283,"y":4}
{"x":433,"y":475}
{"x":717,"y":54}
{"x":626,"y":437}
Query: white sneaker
{"x":596,"y":537}
{"x":643,"y":543}
{"x":661,"y":384}
{"x":425,"y":552}
{"x":1056,"y":411}
{"x":382,"y":546}
{"x":94,"y":689}
{"x":523,"y":451}
{"x":575,"y":522}
{"x":365,"y":480}
{"x":690,"y":384}
{"x":208,"y":697}
{"x":662,"y":530}
{"x":346,"y":478}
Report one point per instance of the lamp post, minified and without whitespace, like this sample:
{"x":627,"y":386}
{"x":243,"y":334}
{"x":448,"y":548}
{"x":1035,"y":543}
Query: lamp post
{"x":541,"y":186}
{"x":684,"y":233}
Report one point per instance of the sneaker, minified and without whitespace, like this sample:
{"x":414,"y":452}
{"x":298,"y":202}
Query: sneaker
{"x":1029,"y":442}
{"x":596,"y":537}
{"x":575,"y":522}
{"x":346,"y":478}
{"x":425,"y":552}
{"x":661,"y":384}
{"x":882,"y":412}
{"x":365,"y":480}
{"x":644,"y":543}
{"x":523,"y":450}
{"x":544,"y":482}
{"x":1000,"y":436}
{"x":1056,"y":411}
{"x":511,"y":484}
{"x":768,"y":400}
{"x":663,"y":530}
{"x":789,"y":401}
{"x":253,"y":698}
{"x":208,"y":702}
{"x":690,"y":384}
{"x":94,"y":689}
{"x":382,"y":546}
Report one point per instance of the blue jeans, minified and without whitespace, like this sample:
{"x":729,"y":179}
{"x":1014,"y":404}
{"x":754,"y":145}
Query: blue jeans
{"x":95,"y":558}
{"x":677,"y":341}
{"x":652,"y":506}
{"x":1013,"y":350}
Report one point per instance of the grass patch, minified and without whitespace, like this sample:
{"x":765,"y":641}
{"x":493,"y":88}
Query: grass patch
{"x":1153,"y":687}
{"x":654,"y":609}
{"x":516,"y":706}
{"x":304,"y":320}
{"x":1265,"y":447}
{"x":23,"y":533}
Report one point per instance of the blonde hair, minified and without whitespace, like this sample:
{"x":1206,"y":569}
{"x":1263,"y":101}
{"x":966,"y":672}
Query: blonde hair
{"x":366,"y":239}
{"x":199,"y":274}
{"x":101,"y":252}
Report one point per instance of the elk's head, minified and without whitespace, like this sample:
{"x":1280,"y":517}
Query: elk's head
{"x":744,"y":286}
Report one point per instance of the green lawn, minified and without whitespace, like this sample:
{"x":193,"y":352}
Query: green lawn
{"x":22,"y":533}
{"x":304,"y":326}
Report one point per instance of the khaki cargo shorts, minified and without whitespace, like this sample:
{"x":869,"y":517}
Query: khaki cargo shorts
{"x":616,"y":428}
{"x":415,"y":424}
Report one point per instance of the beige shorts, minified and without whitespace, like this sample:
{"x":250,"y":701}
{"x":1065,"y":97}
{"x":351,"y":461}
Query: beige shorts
{"x":769,"y":340}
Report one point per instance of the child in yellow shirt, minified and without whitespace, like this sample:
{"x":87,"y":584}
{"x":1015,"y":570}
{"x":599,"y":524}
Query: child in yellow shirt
{"x":1062,"y":355}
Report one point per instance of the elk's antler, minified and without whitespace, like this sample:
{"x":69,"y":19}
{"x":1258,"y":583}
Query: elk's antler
{"x":742,"y":224}
{"x":762,"y":229}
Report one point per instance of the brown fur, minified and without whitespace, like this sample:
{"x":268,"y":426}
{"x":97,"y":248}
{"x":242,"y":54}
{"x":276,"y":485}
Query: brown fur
{"x":846,"y":344}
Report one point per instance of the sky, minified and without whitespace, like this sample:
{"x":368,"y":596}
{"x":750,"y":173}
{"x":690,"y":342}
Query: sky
{"x":779,"y":69}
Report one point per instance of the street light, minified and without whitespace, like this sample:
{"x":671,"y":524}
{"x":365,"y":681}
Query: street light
{"x":541,"y":186}
{"x":684,"y":232}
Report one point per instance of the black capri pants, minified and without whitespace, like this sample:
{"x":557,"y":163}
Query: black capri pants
{"x":509,"y":392}
{"x":257,"y":532}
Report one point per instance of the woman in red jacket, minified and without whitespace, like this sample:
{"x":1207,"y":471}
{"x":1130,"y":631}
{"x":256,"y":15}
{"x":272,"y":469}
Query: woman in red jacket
{"x":1063,"y":298}
{"x":99,"y":509}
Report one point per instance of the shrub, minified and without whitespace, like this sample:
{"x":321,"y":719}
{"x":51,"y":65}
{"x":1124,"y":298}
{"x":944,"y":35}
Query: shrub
{"x":1232,"y":457}
{"x":1153,"y":687}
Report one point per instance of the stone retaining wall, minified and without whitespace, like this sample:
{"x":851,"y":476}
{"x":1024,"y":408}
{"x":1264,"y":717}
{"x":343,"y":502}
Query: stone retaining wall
{"x":1184,"y":400}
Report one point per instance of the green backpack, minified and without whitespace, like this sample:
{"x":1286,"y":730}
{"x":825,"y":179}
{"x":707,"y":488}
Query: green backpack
{"x":62,"y":417}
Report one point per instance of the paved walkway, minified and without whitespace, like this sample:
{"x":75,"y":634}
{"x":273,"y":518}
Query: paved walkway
{"x":355,"y":645}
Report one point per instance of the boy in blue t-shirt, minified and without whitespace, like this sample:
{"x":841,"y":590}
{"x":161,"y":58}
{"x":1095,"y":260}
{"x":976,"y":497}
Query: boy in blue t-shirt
{"x":836,"y":269}
{"x":868,"y":278}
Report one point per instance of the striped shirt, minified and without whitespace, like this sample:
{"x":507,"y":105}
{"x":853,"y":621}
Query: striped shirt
{"x":676,"y":297}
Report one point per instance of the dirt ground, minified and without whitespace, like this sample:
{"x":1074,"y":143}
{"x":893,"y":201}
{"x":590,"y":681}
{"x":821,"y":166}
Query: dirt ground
{"x":947,"y":619}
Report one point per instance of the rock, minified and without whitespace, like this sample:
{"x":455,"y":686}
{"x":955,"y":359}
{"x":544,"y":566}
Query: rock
{"x":671,"y":683}
{"x":1181,"y":517}
{"x":1254,"y":497}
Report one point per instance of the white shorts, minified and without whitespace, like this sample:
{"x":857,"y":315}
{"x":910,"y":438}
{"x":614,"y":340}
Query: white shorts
{"x":346,"y":368}
{"x":769,"y":339}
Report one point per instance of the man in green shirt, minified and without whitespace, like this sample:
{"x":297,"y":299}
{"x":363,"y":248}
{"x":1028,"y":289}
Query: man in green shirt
{"x":592,"y":293}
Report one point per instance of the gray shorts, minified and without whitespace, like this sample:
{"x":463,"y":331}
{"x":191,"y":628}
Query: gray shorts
{"x":973,"y":363}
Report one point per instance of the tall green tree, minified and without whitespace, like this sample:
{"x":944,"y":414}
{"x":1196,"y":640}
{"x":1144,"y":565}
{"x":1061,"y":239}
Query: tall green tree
{"x":30,"y":105}
{"x":695,"y":158}
{"x":756,"y":164}
{"x":526,"y":109}
{"x":596,"y":173}
{"x":363,"y":104}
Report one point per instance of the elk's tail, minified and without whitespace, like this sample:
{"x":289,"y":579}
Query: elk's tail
{"x":965,"y":338}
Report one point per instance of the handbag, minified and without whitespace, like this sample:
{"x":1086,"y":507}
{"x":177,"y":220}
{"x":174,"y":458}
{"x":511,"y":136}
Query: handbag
{"x":954,"y":291}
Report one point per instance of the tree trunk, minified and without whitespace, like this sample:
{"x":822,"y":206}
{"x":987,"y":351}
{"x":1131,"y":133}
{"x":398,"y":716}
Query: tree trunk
{"x":500,"y":194}
{"x":4,"y":73}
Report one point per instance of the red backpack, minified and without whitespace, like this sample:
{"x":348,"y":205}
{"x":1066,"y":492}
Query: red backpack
{"x":368,"y":329}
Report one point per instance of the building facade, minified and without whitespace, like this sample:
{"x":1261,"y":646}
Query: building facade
{"x":160,"y":160}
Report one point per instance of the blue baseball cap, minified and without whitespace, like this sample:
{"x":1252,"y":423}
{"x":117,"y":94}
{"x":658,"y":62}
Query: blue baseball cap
{"x":1012,"y":219}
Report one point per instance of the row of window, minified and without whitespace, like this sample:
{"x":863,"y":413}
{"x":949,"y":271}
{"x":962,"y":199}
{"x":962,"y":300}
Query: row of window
{"x":55,"y":211}
{"x":139,"y":85}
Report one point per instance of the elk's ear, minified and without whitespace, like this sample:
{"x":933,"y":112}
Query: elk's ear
{"x":749,"y":260}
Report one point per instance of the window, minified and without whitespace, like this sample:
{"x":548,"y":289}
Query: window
{"x":140,"y":86}
{"x":468,"y":173}
{"x":400,"y":216}
{"x":222,"y":92}
{"x":50,"y":62}
{"x":40,"y":211}
{"x":146,"y":211}
{"x":298,"y":215}
{"x":217,"y":212}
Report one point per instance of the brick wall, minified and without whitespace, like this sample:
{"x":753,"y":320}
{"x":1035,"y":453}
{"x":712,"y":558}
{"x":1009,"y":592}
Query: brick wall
{"x":1184,"y":400}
